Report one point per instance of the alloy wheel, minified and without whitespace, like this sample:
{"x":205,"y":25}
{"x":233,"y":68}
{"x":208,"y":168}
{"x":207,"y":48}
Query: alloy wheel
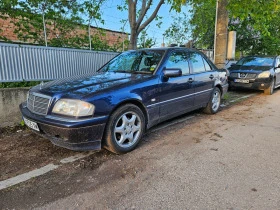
{"x":127,"y":129}
{"x":216,"y":100}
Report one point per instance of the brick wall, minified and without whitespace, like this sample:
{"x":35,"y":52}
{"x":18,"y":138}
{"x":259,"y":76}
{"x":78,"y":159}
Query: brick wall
{"x":7,"y":28}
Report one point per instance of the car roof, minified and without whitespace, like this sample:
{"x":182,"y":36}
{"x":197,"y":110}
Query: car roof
{"x":168,"y":49}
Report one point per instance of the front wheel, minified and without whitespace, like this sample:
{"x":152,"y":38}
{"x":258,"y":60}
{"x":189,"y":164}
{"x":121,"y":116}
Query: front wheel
{"x":124,"y":129}
{"x":269,"y":91}
{"x":214,"y":102}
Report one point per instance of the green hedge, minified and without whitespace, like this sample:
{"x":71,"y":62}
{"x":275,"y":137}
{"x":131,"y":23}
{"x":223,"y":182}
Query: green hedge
{"x":18,"y":84}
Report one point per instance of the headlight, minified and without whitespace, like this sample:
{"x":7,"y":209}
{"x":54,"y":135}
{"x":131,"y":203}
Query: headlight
{"x":265,"y":74}
{"x":72,"y":107}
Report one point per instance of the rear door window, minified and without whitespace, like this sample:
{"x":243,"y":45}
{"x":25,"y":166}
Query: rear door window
{"x":179,"y":59}
{"x":197,"y":63}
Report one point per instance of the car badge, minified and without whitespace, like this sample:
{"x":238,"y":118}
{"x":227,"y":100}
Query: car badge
{"x":242,"y":75}
{"x":41,"y":85}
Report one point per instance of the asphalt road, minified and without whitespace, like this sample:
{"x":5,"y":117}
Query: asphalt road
{"x":225,"y":161}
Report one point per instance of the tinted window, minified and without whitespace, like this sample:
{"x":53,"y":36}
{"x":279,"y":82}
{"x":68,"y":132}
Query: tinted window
{"x":197,"y":63}
{"x":179,"y":60}
{"x":207,"y":66}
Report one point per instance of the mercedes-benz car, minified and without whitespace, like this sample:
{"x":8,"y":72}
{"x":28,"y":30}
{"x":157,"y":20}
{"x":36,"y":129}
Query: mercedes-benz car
{"x":256,"y":72}
{"x":112,"y":108}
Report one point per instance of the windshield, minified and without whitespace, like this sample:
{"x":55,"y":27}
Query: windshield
{"x":135,"y":62}
{"x":255,"y":61}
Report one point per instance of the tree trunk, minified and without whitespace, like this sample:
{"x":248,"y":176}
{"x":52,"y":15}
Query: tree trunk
{"x":220,"y":46}
{"x":133,"y":40}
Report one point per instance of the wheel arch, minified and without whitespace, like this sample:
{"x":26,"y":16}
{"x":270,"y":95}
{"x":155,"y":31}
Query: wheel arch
{"x":220,"y":88}
{"x":135,"y":102}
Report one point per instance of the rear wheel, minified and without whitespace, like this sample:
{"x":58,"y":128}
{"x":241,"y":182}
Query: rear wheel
{"x":124,"y":129}
{"x":214,"y":102}
{"x":269,"y":91}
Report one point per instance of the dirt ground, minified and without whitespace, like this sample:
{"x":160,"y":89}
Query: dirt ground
{"x":21,"y":147}
{"x":194,"y":164}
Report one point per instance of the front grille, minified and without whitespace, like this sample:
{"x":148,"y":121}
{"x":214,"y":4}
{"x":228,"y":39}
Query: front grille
{"x":234,"y":75}
{"x":244,"y":75}
{"x":38,"y":103}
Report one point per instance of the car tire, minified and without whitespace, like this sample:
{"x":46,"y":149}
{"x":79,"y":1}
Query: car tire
{"x":214,"y":102}
{"x":124,"y":129}
{"x":269,"y":91}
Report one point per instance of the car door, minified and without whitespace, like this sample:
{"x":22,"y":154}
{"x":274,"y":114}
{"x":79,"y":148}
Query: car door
{"x":204,"y":78}
{"x":176,"y":93}
{"x":277,"y":72}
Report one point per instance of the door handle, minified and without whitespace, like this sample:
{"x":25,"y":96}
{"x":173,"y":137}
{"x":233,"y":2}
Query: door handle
{"x":190,"y":80}
{"x":211,"y":76}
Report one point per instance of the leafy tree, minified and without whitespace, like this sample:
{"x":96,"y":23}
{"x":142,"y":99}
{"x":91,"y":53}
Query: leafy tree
{"x":145,"y":41}
{"x":138,"y":15}
{"x":40,"y":20}
{"x":92,"y":10}
{"x":256,"y":23}
{"x":178,"y":32}
{"x":203,"y":23}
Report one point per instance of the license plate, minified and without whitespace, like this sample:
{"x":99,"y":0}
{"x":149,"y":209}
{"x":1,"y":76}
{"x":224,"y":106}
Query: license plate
{"x":242,"y":80}
{"x":31,"y":124}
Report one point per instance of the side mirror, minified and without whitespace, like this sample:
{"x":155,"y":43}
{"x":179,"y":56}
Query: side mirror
{"x":172,"y":73}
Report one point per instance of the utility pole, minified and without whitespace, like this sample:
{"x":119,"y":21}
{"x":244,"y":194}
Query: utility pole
{"x":220,"y":42}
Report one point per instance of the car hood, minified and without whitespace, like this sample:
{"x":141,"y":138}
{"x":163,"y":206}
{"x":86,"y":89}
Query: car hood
{"x":249,"y":69}
{"x":80,"y":86}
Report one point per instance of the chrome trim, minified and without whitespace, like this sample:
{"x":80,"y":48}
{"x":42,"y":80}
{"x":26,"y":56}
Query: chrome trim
{"x":42,"y":96}
{"x":179,"y":97}
{"x":64,"y":119}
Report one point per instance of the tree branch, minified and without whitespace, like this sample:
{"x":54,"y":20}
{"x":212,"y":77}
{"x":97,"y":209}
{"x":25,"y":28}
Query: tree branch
{"x":147,"y":22}
{"x":143,"y":12}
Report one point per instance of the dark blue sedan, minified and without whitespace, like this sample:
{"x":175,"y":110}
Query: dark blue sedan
{"x":113,"y":107}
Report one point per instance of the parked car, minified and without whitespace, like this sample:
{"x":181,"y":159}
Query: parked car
{"x":256,"y":72}
{"x":131,"y":93}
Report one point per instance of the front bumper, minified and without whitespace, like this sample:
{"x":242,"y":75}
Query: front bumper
{"x":78,"y":135}
{"x":256,"y":84}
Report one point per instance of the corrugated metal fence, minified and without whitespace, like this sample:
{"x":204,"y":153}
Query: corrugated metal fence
{"x":32,"y":63}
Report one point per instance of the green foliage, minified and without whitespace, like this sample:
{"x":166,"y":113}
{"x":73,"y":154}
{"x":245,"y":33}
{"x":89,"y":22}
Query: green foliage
{"x":145,"y":41}
{"x":18,"y":84}
{"x":255,"y":21}
{"x":177,"y":4}
{"x":203,"y":23}
{"x":62,"y":18}
{"x":22,"y":124}
{"x":179,"y":31}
